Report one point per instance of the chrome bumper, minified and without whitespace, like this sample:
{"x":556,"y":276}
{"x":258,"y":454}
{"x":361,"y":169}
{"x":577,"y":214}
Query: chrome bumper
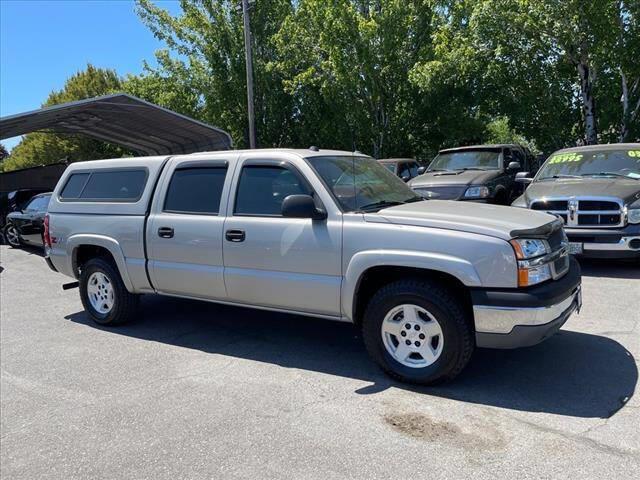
{"x":622,"y":246}
{"x":502,"y":320}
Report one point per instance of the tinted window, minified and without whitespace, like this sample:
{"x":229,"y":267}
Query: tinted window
{"x":39,"y":204}
{"x":120,"y":185}
{"x":117,"y":185}
{"x":404,"y":170}
{"x":262,"y":190}
{"x":413,"y":169}
{"x":74,"y":185}
{"x":195,"y":190}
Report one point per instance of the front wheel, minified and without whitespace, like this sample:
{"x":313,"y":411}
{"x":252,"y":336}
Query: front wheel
{"x":12,"y":236}
{"x":418,"y":332}
{"x":104,"y":295}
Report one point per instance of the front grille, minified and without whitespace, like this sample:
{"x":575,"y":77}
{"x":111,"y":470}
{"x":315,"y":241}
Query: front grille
{"x":449,"y":192}
{"x":555,"y":239}
{"x":582,"y":212}
{"x":561,"y":265}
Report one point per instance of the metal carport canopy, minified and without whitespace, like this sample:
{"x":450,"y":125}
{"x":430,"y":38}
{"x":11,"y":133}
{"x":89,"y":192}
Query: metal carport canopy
{"x":124,"y":120}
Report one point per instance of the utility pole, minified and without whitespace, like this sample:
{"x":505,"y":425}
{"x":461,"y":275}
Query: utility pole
{"x":249,"y":66}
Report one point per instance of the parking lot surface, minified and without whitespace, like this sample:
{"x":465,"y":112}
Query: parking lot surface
{"x":198,"y":390}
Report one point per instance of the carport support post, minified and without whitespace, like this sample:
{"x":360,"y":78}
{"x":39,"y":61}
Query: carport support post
{"x":249,"y":67}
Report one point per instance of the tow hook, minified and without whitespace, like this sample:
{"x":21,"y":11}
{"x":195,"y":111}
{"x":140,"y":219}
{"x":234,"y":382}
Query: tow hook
{"x":69,"y":286}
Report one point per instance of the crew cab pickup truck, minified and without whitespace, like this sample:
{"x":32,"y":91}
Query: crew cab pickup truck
{"x":315,"y":232}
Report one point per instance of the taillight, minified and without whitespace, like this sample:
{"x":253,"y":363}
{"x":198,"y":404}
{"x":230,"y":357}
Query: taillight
{"x":45,"y":234}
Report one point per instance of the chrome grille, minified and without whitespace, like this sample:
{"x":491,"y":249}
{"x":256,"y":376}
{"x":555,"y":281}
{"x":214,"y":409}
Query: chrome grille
{"x":584,"y":211}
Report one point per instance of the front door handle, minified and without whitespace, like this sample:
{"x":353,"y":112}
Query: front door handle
{"x":165,"y":232}
{"x":235,"y":235}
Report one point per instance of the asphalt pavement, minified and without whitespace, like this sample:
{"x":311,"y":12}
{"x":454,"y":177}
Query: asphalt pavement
{"x":198,"y":390}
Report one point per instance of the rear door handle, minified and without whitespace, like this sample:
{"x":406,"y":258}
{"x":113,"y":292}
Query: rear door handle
{"x":235,"y":235}
{"x":165,"y":232}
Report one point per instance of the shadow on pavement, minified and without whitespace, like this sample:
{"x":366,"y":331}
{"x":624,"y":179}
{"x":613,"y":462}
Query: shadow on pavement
{"x":572,"y":373}
{"x":594,"y":267}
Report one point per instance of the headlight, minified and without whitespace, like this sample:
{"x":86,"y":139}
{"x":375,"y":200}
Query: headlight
{"x":526,"y":248}
{"x":532,"y":266}
{"x":477,"y":192}
{"x":633,"y":215}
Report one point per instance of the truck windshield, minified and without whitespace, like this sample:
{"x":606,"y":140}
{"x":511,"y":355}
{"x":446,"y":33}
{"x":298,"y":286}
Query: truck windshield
{"x":592,"y":163}
{"x":361,"y":183}
{"x":466,"y":159}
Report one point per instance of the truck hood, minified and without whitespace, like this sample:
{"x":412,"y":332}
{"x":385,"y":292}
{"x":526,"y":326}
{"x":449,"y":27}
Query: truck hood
{"x":466,"y":177}
{"x":493,"y":220}
{"x":626,"y":190}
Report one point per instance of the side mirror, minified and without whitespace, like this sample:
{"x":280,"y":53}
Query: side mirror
{"x":405,"y":178}
{"x":421,"y":170}
{"x":523,"y":177}
{"x":513,"y":166}
{"x":302,"y":206}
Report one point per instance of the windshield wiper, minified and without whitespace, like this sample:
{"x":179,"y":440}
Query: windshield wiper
{"x":439,"y":170}
{"x":561,"y":175}
{"x":387,"y":203}
{"x":471,"y":168}
{"x":605,"y":174}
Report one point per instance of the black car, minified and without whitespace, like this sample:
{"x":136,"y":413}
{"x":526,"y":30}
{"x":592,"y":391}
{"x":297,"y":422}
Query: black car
{"x":480,"y":173}
{"x":405,"y":168}
{"x":27,"y":224}
{"x":596,"y":191}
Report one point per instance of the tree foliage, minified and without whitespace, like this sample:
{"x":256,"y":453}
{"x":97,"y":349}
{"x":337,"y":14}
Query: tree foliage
{"x":386,"y":77}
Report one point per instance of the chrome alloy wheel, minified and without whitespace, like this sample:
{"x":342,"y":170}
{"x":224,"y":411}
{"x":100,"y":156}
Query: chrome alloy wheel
{"x":12,"y":236}
{"x":100,"y":292}
{"x":412,"y":336}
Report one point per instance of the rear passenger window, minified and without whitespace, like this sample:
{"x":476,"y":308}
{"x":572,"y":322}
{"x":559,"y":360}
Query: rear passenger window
{"x":263,"y":188}
{"x":112,"y":185}
{"x":195,"y":190}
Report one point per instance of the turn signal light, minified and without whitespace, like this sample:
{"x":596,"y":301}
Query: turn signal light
{"x":46,"y":234}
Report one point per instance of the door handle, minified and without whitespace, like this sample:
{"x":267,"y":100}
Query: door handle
{"x":235,"y":235}
{"x":165,"y":232}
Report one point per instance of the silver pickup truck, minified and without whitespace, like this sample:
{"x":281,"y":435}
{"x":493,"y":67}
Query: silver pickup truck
{"x":315,"y":232}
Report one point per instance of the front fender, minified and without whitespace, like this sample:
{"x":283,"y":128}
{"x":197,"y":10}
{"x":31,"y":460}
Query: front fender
{"x":457,"y":267}
{"x":103,"y":241}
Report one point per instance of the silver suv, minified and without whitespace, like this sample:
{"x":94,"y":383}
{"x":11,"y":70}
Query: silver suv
{"x":315,"y":232}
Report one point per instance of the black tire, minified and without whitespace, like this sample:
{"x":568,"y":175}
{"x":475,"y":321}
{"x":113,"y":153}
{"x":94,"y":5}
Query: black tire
{"x":125,"y":304}
{"x":7,"y":236}
{"x":456,"y":329}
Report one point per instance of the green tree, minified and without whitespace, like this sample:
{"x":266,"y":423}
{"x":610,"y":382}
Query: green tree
{"x":40,"y":148}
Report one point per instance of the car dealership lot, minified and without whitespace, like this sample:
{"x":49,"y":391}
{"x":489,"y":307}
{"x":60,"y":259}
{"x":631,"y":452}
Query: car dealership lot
{"x":196,"y":390}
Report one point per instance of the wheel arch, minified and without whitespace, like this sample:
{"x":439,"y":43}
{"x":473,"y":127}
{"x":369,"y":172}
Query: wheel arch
{"x":81,"y":248}
{"x":370,"y":271}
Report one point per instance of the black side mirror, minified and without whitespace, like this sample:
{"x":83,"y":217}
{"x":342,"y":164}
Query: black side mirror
{"x":302,"y":206}
{"x":513,"y":166}
{"x":405,"y":178}
{"x":523,"y":177}
{"x":421,"y":170}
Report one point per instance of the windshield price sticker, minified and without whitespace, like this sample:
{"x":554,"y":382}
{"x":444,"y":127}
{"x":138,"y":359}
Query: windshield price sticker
{"x":566,"y":157}
{"x":634,"y":153}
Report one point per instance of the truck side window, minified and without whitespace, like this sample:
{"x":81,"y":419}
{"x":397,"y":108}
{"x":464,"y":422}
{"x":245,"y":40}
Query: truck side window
{"x":262,"y":189}
{"x":413,"y":169}
{"x":124,"y":185}
{"x":195,"y":190}
{"x":74,"y":185}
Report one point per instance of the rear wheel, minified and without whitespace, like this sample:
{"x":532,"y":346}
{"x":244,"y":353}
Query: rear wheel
{"x":12,"y":236}
{"x":104,"y":295}
{"x":418,"y":332}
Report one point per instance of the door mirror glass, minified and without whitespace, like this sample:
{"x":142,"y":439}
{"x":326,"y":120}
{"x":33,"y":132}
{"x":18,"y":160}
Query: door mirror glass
{"x":513,"y":166}
{"x":523,"y":177}
{"x":421,"y":170}
{"x":405,"y":177}
{"x":302,"y":206}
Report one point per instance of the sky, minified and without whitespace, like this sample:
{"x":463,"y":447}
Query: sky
{"x":43,"y":42}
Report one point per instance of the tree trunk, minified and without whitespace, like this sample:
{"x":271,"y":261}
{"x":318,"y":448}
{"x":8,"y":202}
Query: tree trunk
{"x":628,"y":114}
{"x":588,"y":103}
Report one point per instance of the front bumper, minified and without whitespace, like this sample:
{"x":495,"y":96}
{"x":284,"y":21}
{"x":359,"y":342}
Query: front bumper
{"x":513,"y":318}
{"x":607,"y":243}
